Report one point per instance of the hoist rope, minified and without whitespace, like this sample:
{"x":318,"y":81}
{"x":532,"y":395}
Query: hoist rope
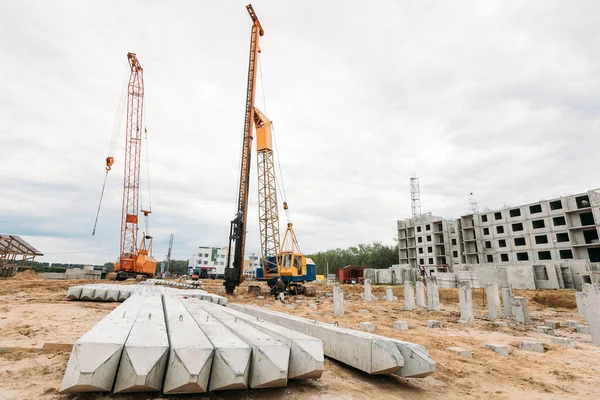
{"x":114,"y":139}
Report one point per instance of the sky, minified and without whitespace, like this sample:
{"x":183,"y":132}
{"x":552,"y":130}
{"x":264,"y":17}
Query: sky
{"x":498,"y":98}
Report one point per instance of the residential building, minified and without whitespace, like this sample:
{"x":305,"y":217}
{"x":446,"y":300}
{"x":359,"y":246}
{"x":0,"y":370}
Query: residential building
{"x":217,"y":257}
{"x":563,"y":228}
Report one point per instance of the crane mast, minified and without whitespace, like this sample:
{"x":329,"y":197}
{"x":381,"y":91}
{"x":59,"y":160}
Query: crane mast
{"x":268,"y":214}
{"x":168,"y":260}
{"x":234,"y":274}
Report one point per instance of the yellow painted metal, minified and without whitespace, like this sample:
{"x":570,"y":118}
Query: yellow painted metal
{"x":264,"y":135}
{"x":291,"y":260}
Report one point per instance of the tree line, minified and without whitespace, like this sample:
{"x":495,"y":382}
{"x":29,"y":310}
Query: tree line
{"x":375,"y":255}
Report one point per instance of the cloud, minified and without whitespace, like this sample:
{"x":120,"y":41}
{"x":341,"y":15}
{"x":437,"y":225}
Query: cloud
{"x":495,"y":98}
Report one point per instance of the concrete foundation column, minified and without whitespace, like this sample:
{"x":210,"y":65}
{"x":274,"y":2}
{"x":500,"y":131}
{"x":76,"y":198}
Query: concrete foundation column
{"x":338,"y":300}
{"x":420,"y":294}
{"x":409,"y":296}
{"x":368,"y":295}
{"x":507,"y":300}
{"x":593,"y":310}
{"x":389,"y":294}
{"x":520,"y":309}
{"x":493,"y":300}
{"x":433,"y":296}
{"x":465,"y":300}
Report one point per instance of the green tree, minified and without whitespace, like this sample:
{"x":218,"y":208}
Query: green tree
{"x":376,"y":255}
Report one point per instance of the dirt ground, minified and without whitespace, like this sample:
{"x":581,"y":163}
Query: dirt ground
{"x":34,"y":312}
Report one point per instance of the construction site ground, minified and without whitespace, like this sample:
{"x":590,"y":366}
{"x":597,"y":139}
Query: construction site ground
{"x":34,"y":313}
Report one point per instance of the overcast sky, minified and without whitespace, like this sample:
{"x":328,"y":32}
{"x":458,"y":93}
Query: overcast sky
{"x":498,"y":98}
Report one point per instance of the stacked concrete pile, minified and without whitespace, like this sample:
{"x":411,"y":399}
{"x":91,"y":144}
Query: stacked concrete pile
{"x":109,"y":292}
{"x":162,"y":342}
{"x":368,"y":352}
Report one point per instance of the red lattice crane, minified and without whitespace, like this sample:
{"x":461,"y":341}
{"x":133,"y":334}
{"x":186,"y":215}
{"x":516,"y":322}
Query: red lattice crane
{"x":133,"y":259}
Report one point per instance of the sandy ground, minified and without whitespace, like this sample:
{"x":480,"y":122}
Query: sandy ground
{"x":35,"y":312}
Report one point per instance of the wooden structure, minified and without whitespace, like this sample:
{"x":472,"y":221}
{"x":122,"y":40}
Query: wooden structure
{"x":15,"y":252}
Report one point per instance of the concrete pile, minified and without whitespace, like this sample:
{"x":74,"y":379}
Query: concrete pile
{"x":163,"y":342}
{"x":368,"y":352}
{"x":108,"y":292}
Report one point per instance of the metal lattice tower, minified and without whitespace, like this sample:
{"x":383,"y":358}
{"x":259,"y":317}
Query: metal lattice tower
{"x":168,"y":259}
{"x":473,"y":204}
{"x":415,"y":196}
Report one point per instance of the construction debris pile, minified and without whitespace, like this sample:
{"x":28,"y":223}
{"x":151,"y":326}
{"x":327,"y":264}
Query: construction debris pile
{"x":109,"y":292}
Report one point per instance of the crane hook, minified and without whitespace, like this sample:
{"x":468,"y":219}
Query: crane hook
{"x":109,"y":162}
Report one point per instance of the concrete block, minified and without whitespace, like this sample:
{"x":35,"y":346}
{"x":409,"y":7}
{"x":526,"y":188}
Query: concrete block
{"x":368,"y":295}
{"x":420,"y":288}
{"x":144,"y":358}
{"x":433,"y":296}
{"x":367,"y":326}
{"x":260,"y":297}
{"x":545,"y":329}
{"x":498,"y":348}
{"x":520,"y":310}
{"x":370,"y":353}
{"x":87,"y":293}
{"x":306,"y":352}
{"x":493,"y":300}
{"x":434,"y":324}
{"x":313,"y":306}
{"x":507,"y":300}
{"x":400,"y":325}
{"x":112,"y":295}
{"x":409,"y":296}
{"x":190,"y":361}
{"x":552,"y":324}
{"x":338,"y":300}
{"x":231,"y":360}
{"x":289,"y":306}
{"x":363,"y":311}
{"x":571,"y":322}
{"x":593,"y":310}
{"x":585,"y":329}
{"x":95,"y":356}
{"x":527,"y":345}
{"x":461,"y":352}
{"x":74,"y":292}
{"x":465,"y":300}
{"x":389,"y":294}
{"x":563,"y":342}
{"x":270,"y":358}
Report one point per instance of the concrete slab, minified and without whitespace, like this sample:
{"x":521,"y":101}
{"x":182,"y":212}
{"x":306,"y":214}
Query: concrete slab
{"x":95,"y":356}
{"x":144,"y":358}
{"x":420,"y":288}
{"x":461,"y":352}
{"x":190,"y":361}
{"x":370,"y":353}
{"x":434,"y":324}
{"x":585,"y":329}
{"x":527,"y":345}
{"x":306,"y":352}
{"x":400,"y":325}
{"x":74,"y":292}
{"x":545,"y":329}
{"x":498,"y":348}
{"x":231,"y":361}
{"x":493,"y":300}
{"x":338,"y":300}
{"x":563,"y":342}
{"x":552,"y":324}
{"x":270,"y":357}
{"x":409,"y":296}
{"x":465,"y":300}
{"x":87,"y":293}
{"x":571,"y":322}
{"x":367,"y":326}
{"x":112,"y":295}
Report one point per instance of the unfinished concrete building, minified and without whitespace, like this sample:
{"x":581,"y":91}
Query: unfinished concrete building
{"x":557,"y":240}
